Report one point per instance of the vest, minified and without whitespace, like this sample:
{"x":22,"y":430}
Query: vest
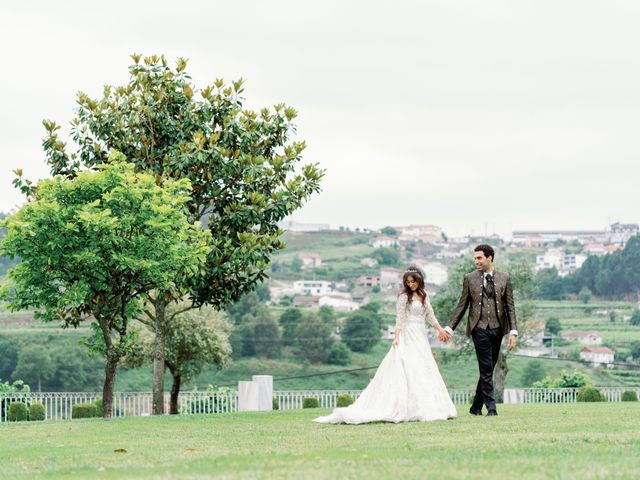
{"x":488,"y":312}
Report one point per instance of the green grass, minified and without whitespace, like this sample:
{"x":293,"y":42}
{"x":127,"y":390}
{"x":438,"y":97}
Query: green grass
{"x":582,"y":441}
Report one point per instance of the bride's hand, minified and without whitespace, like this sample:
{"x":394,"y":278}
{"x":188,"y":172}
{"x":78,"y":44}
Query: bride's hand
{"x":396,"y":342}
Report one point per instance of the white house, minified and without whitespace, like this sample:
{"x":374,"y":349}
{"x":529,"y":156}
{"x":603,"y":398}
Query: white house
{"x":425,"y":233}
{"x":583,"y":338}
{"x":565,"y":263}
{"x":339,"y":303}
{"x":384,"y":241}
{"x":312,"y":287}
{"x":369,"y":262}
{"x":391,"y":277}
{"x":434,"y":272}
{"x":368,"y":281}
{"x":550,"y":259}
{"x":303,"y":227}
{"x":310,"y":260}
{"x":597,"y":355}
{"x":542,"y":237}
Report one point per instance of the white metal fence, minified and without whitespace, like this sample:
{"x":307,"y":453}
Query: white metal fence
{"x":58,"y":406}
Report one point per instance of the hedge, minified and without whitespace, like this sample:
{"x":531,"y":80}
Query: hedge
{"x":310,"y":402}
{"x":84,"y":410}
{"x":36,"y":412}
{"x":344,"y":400}
{"x":18,"y":412}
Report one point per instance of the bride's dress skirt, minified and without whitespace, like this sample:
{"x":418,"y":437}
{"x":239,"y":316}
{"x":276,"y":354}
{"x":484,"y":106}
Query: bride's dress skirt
{"x":406,"y":387}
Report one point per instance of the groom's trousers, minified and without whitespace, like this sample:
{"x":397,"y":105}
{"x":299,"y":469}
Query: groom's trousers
{"x":487,"y":343}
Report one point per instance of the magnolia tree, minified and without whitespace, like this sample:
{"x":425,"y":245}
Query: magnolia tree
{"x":243,"y":165}
{"x":94,"y":245}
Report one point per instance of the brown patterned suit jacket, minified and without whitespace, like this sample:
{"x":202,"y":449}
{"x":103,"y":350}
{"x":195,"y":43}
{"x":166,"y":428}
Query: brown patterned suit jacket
{"x":471,"y":298}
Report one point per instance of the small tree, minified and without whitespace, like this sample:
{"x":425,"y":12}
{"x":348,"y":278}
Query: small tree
{"x":613,"y":316}
{"x":296,"y":264}
{"x":533,"y":372}
{"x":289,"y":321}
{"x":392,"y":232}
{"x":339,"y":354}
{"x":9,"y":357}
{"x":313,"y":339}
{"x":328,"y":316}
{"x":361,"y":331}
{"x":195,"y":338}
{"x":34,"y":365}
{"x":635,"y":349}
{"x":584,"y":295}
{"x":94,"y":245}
{"x":635,"y":317}
{"x":552,"y":326}
{"x":266,"y":336}
{"x":387,"y":256}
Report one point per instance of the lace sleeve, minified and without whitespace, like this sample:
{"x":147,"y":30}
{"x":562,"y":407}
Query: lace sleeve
{"x":429,"y":313}
{"x":401,"y":311}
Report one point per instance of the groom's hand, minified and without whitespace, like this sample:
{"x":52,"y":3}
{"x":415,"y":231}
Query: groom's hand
{"x":513,"y":339}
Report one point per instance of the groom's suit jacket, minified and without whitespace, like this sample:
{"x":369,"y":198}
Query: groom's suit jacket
{"x":472,"y":298}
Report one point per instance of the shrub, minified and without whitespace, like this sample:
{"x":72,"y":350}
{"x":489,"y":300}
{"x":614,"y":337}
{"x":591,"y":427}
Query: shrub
{"x":36,"y":412}
{"x":18,"y":412}
{"x":629,"y":396}
{"x":339,"y":354}
{"x":275,"y":403}
{"x":344,"y":400}
{"x":310,"y":402}
{"x":590,"y":394}
{"x":100,"y":408}
{"x":84,"y":410}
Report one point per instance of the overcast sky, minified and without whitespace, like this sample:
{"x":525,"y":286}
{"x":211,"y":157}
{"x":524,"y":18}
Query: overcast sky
{"x":470,"y":115}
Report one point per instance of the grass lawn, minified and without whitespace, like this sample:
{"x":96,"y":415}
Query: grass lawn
{"x":582,"y":441}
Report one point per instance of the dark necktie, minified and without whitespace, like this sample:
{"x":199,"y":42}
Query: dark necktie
{"x":489,"y":288}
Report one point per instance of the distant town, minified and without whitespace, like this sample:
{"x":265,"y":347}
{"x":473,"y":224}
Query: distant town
{"x":347,"y":268}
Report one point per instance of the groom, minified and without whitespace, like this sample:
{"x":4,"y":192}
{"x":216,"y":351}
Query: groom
{"x":489,"y":297}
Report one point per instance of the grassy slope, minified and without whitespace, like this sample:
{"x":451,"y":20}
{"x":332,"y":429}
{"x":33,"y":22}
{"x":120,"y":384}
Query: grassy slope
{"x":585,"y":441}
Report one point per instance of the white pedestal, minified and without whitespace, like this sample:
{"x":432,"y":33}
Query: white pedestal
{"x":248,"y":395}
{"x":265,"y":391}
{"x":513,"y":395}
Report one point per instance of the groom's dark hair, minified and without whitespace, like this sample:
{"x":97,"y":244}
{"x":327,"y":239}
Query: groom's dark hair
{"x":487,"y":250}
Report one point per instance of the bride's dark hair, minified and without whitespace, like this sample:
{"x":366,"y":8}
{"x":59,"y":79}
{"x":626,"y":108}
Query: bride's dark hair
{"x":418,"y":276}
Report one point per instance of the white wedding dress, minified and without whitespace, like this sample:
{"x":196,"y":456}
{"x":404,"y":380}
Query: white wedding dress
{"x":407,"y":385}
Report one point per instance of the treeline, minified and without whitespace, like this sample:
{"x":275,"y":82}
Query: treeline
{"x":612,"y":276}
{"x":313,"y":336}
{"x":49,"y":368}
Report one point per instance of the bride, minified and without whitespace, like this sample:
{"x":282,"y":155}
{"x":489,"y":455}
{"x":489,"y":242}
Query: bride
{"x":407,"y":385}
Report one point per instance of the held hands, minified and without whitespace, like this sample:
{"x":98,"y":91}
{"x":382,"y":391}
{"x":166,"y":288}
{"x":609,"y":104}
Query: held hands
{"x":396,"y":341}
{"x":513,"y":340}
{"x":443,"y":336}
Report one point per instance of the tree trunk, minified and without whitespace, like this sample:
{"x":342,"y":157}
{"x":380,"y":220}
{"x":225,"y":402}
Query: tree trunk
{"x":500,"y":375}
{"x":175,"y":391}
{"x":109,"y":383}
{"x":158,"y":356}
